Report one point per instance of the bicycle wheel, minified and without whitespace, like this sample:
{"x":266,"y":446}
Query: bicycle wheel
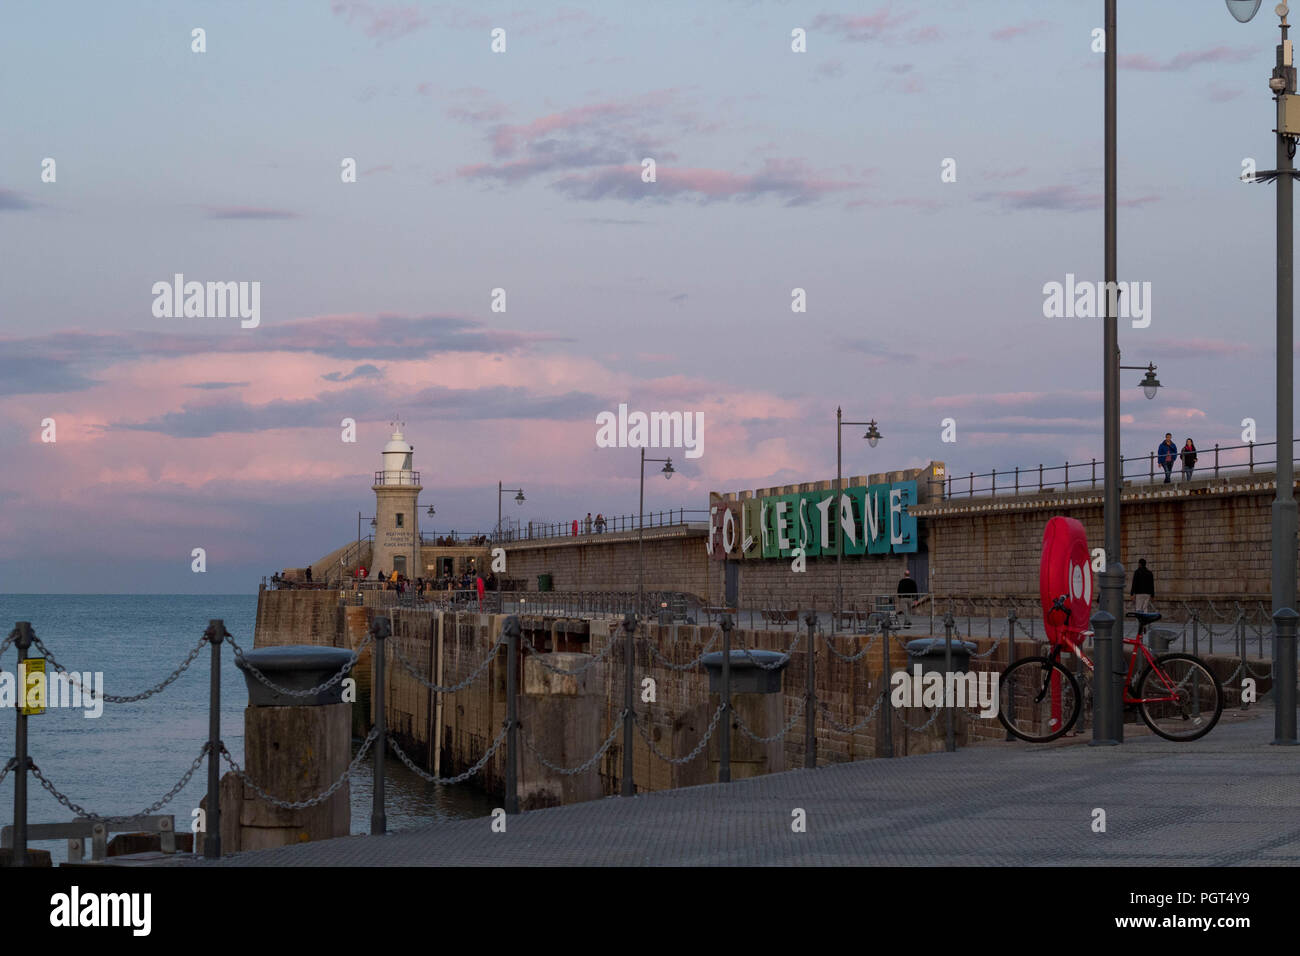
{"x":1038,"y":700}
{"x":1194,"y":697}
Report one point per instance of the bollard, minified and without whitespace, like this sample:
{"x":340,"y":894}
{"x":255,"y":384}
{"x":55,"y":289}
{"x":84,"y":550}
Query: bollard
{"x":1241,"y":642}
{"x":810,"y":698}
{"x":512,"y":629}
{"x":1284,"y":676}
{"x":381,"y":629}
{"x":884,"y":689}
{"x":950,"y":740}
{"x":629,"y":717}
{"x":724,"y":723}
{"x":23,"y":640}
{"x":1011,"y":650}
{"x":216,"y":633}
{"x":1105,"y":709}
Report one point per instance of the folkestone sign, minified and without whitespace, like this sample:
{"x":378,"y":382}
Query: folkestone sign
{"x":873,"y":519}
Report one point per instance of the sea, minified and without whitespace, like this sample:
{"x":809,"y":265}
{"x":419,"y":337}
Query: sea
{"x":132,"y":754}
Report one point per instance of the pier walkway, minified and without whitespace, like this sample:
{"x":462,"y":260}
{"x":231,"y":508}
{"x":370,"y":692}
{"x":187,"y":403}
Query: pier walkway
{"x":1229,"y":799}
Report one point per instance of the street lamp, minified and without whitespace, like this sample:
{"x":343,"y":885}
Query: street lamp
{"x":872,"y":436}
{"x":1149,"y":384}
{"x":1284,"y":518}
{"x":667,"y":471}
{"x":519,"y":500}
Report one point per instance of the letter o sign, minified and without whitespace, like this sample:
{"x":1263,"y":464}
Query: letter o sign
{"x":728,"y":531}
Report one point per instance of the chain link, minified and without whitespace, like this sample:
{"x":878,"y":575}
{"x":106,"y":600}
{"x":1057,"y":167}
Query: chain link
{"x":446,"y":781}
{"x":147,"y":811}
{"x":311,"y":801}
{"x":133,"y":698}
{"x":925,"y":726}
{"x":450,"y":688}
{"x":785,"y":655}
{"x":4,"y":645}
{"x":580,"y":670}
{"x":9,"y":765}
{"x":850,"y":658}
{"x":655,"y":652}
{"x":570,"y":771}
{"x":311,"y":691}
{"x":794,"y":719}
{"x":698,"y":747}
{"x":844,"y":728}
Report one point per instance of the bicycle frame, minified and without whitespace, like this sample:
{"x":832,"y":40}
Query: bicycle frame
{"x":1076,"y":648}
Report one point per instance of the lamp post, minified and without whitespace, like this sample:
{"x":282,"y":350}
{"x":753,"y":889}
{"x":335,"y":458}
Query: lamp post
{"x":667,"y":471}
{"x":872,"y":436}
{"x":519,"y":500}
{"x":1284,"y":517}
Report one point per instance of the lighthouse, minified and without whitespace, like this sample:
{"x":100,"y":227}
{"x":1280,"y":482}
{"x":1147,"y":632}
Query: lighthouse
{"x":397,"y":525}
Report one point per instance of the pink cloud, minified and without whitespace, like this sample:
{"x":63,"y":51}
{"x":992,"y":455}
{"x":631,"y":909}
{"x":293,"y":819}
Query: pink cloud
{"x":381,"y":23}
{"x":1185,"y":60}
{"x":1019,"y":30}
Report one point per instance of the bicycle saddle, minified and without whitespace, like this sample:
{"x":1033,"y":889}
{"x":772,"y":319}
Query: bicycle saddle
{"x":1145,"y":617}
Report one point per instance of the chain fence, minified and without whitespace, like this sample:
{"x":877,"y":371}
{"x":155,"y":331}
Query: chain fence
{"x":289,"y":692}
{"x":645,"y":735}
{"x":474,"y":675}
{"x":310,"y":801}
{"x":153,"y":808}
{"x":75,"y":680}
{"x":585,"y":765}
{"x":596,"y":659}
{"x":459,"y":778}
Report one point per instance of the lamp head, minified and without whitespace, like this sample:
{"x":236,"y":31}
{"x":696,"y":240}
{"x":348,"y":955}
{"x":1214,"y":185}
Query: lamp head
{"x":873,"y":434}
{"x":430,"y":512}
{"x":1243,"y":10}
{"x":1149,"y":382}
{"x":668,"y":469}
{"x":519,"y":498}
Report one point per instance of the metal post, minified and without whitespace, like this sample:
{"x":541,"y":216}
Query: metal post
{"x":22,"y":639}
{"x":1040,"y":476}
{"x":884,"y":689}
{"x":839,"y":523}
{"x":1094,"y":473}
{"x":724,"y":724}
{"x":628,"y":788}
{"x":1284,"y":676}
{"x":1112,"y":579}
{"x":216,"y":633}
{"x":950,"y":740}
{"x":1017,"y":479}
{"x":1103,"y":688}
{"x":1011,"y":651}
{"x":381,"y":629}
{"x":1241,"y":644}
{"x":810,"y":696}
{"x":1216,"y":459}
{"x":640,"y":543}
{"x":512,"y":629}
{"x":1284,"y":505}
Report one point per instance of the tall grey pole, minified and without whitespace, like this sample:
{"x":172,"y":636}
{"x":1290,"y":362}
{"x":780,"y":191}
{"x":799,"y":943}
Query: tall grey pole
{"x":1284,"y":505}
{"x":810,"y":696}
{"x":1109,"y":711}
{"x":216,"y":633}
{"x":628,"y":788}
{"x":640,"y":543}
{"x":499,"y":510}
{"x":839,"y":524}
{"x":23,"y":640}
{"x":1284,"y":652}
{"x":885,"y":675}
{"x":512,"y":629}
{"x":378,"y":821}
{"x":724,"y":725}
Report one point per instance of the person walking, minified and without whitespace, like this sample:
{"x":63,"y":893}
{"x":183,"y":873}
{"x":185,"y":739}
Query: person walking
{"x":1143,"y":591}
{"x":586,"y":524}
{"x":906,"y":592}
{"x":1167,"y":453}
{"x":309,"y":574}
{"x":1189,"y":460}
{"x":600,"y":524}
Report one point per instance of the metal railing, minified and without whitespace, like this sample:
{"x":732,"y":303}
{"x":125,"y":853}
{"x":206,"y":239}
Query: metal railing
{"x":397,"y":477}
{"x":1210,"y":462}
{"x":535,"y":530}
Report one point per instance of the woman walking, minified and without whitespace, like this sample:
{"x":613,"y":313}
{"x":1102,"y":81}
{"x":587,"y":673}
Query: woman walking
{"x":1189,"y":460}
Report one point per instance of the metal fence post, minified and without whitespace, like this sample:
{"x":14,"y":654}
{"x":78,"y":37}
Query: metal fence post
{"x":1011,"y":649}
{"x":810,"y":697}
{"x":1284,"y":676}
{"x":724,"y":743}
{"x":950,"y":740}
{"x":628,"y":788}
{"x":1040,"y":476}
{"x":1017,"y":479}
{"x":23,"y":640}
{"x":381,"y":629}
{"x":512,"y":629}
{"x":1216,"y":459}
{"x":1106,"y":709}
{"x":216,"y":634}
{"x":884,"y":688}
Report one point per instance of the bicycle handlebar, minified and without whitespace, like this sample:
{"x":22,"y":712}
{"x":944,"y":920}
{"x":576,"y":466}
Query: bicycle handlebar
{"x":1059,"y":605}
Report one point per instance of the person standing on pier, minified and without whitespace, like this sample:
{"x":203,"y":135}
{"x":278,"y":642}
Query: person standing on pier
{"x":1167,"y":454}
{"x":906,"y":594}
{"x":1143,"y":591}
{"x":1189,"y":460}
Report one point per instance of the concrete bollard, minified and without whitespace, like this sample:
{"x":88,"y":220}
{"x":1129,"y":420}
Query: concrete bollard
{"x":756,"y":699}
{"x":294,"y":748}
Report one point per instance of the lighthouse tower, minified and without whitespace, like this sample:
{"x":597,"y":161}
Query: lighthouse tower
{"x":397,"y":524}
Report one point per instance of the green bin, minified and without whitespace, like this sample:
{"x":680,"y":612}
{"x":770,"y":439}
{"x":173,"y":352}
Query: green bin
{"x":543,"y":582}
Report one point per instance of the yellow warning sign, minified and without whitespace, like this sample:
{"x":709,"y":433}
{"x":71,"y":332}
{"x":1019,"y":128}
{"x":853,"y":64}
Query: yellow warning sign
{"x":31,"y":678}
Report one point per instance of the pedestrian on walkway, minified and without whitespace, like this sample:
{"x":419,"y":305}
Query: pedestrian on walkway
{"x":600,"y":524}
{"x":1143,"y":591}
{"x":906,"y":592}
{"x":1189,"y":460}
{"x":1167,"y":453}
{"x":586,"y":524}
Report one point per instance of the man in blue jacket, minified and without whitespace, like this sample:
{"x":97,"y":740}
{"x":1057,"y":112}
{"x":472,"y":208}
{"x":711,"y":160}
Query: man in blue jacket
{"x":1167,"y":454}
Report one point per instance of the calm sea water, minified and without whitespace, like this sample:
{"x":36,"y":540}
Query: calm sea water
{"x":129,"y":757}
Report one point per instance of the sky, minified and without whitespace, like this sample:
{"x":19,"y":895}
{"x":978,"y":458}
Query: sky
{"x":523,"y":171}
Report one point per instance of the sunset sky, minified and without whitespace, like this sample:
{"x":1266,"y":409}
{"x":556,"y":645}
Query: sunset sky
{"x":522,"y":171}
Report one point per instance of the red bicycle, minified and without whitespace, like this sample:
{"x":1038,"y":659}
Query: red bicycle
{"x":1177,"y":695}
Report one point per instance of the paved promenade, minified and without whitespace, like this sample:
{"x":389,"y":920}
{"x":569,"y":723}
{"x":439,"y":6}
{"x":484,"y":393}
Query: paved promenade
{"x":1229,"y":799}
